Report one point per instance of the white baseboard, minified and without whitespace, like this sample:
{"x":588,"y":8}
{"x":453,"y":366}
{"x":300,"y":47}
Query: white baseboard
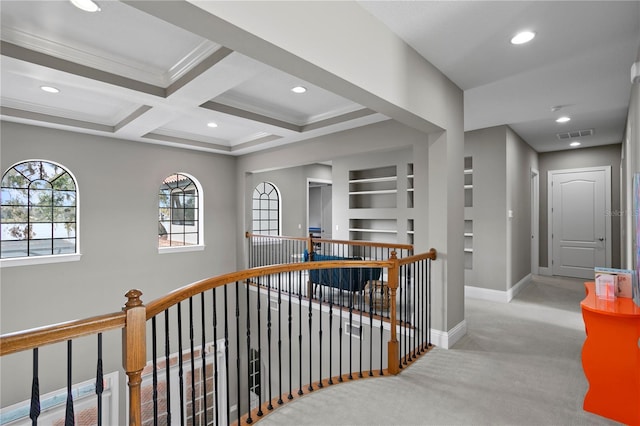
{"x":496,"y":295}
{"x":446,"y":339}
{"x":513,"y":291}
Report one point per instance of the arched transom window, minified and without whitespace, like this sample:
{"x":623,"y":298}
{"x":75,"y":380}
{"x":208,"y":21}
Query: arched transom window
{"x":39,"y":214}
{"x":266,"y":209}
{"x":179,"y":212}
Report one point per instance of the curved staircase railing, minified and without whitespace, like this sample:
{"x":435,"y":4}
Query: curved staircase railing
{"x":229,"y":349}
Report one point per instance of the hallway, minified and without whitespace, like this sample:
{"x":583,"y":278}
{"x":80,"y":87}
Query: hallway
{"x":519,"y":364}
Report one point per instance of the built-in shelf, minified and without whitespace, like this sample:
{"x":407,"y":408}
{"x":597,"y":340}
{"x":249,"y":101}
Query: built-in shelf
{"x":382,"y":231}
{"x":380,"y":191}
{"x":410,"y":185}
{"x":374,"y":188}
{"x":372,"y":180}
{"x":468,"y":223}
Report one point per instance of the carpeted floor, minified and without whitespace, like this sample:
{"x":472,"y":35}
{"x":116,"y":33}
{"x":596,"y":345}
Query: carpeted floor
{"x":519,"y":364}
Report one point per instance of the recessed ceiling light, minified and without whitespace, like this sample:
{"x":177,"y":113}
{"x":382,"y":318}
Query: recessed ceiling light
{"x":563,"y":119}
{"x":576,"y":143}
{"x":523,"y":37}
{"x":212,"y":124}
{"x":299,"y":89}
{"x":50,"y":89}
{"x":86,"y":5}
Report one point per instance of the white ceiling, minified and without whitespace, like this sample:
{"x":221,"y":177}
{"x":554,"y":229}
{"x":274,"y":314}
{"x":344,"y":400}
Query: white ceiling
{"x":125,"y":74}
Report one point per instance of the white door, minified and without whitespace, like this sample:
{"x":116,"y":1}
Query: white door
{"x":580,"y":225}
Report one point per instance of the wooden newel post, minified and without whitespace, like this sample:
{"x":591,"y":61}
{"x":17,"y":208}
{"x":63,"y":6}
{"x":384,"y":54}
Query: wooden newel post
{"x":393,"y":360}
{"x":134,"y":348}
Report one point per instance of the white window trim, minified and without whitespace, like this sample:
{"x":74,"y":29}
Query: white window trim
{"x":195,"y":247}
{"x":279,"y":206}
{"x":52,"y":258}
{"x":39,"y":260}
{"x":180,"y":249}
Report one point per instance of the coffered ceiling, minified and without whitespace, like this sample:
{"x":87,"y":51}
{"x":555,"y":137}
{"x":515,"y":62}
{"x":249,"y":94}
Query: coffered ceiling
{"x":125,"y":74}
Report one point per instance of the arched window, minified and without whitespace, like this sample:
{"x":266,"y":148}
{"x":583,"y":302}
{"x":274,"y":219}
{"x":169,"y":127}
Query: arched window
{"x":266,"y":209}
{"x":39,"y":211}
{"x":179,"y":215}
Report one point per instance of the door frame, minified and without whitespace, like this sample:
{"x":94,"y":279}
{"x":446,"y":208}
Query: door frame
{"x":535,"y":221}
{"x":313,"y":180}
{"x":607,"y":209}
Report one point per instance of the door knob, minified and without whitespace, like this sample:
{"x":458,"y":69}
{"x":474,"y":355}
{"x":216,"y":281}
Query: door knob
{"x":601,"y":239}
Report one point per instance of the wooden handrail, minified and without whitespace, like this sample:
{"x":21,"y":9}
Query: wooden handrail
{"x":330,"y":241}
{"x":41,"y":336}
{"x":365,"y":243}
{"x":281,"y":237}
{"x":431,"y":254}
{"x":161,"y":304}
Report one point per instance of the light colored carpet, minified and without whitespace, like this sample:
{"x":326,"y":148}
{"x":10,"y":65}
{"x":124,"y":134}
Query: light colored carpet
{"x":519,"y":364}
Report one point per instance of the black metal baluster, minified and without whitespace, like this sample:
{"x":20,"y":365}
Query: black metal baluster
{"x":69,"y":418}
{"x":167,"y":365}
{"x":300,"y":392}
{"x":416,"y":312}
{"x":310,"y":316}
{"x":155,"y":371}
{"x":371,"y":295}
{"x":34,"y":411}
{"x":429,"y":303}
{"x":204,"y":360}
{"x":401,"y":322}
{"x":423,"y":284}
{"x":350,"y":327}
{"x":407,"y":323}
{"x":99,"y":381}
{"x":290,"y":330}
{"x":216,"y":412}
{"x":340,"y":348}
{"x":269,"y":406}
{"x":226,"y":352}
{"x":320,"y":385}
{"x":382,"y":283}
{"x":330,"y":337}
{"x":361,"y":308}
{"x":239,"y":403}
{"x":280,"y":401}
{"x":180,"y":366}
{"x":248,"y":334}
{"x":419,"y":281}
{"x":193,"y":363}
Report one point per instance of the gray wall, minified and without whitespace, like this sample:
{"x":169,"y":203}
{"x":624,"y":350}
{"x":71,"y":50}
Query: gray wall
{"x":521,"y":158}
{"x":502,"y":164}
{"x":118,"y":185}
{"x":488,"y":149}
{"x":292,"y":184}
{"x":430,"y":158}
{"x":630,"y":165}
{"x":608,"y":155}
